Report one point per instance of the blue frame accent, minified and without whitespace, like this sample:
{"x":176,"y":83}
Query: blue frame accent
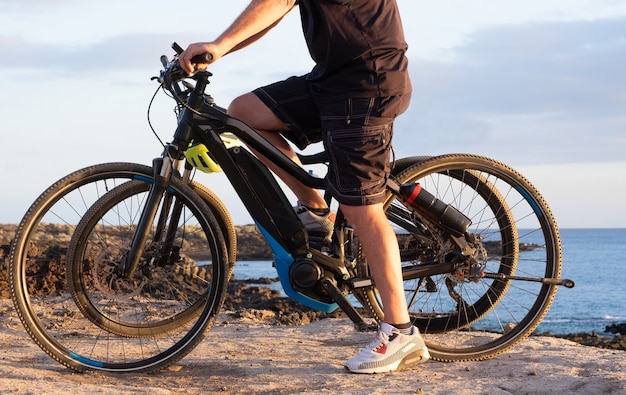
{"x":87,"y":361}
{"x":283,"y":261}
{"x":151,"y":181}
{"x":530,"y":200}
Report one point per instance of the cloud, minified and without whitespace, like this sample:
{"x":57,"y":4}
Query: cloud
{"x":31,"y":6}
{"x":537,"y":85}
{"x":534,"y":92}
{"x":119,"y":53}
{"x":571,"y":64}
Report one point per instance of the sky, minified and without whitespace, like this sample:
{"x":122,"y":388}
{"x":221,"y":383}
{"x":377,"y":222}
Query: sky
{"x":537,"y":84}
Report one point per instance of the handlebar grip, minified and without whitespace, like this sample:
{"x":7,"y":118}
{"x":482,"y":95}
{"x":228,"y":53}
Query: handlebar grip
{"x":202,"y":58}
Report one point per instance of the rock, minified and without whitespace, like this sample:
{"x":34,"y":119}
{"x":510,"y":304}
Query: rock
{"x":616,"y":328}
{"x":595,"y":340}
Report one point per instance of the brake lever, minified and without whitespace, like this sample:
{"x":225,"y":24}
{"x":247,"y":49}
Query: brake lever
{"x":177,"y":48}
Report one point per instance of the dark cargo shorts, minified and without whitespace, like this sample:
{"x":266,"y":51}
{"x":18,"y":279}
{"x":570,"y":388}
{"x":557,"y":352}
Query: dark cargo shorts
{"x":356,"y":133}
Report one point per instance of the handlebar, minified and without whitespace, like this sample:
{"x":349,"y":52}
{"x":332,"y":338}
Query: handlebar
{"x":202,"y":58}
{"x":172,"y":73}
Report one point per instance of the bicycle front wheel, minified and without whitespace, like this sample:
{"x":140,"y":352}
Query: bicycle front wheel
{"x":85,"y":315}
{"x":470,"y":314}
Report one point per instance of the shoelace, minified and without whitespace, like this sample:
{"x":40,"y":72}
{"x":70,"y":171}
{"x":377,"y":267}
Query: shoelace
{"x":381,"y":339}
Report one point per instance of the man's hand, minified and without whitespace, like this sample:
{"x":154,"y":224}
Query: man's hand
{"x":197,"y":49}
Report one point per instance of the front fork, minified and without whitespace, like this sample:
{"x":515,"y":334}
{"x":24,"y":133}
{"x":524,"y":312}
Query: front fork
{"x":163,"y":168}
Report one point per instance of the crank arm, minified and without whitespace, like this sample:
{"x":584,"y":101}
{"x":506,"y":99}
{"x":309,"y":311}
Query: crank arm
{"x":332,"y":263}
{"x":346,"y":306}
{"x":550,"y":281}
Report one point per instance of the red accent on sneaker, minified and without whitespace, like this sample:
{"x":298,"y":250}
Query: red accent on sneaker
{"x":382,"y":349}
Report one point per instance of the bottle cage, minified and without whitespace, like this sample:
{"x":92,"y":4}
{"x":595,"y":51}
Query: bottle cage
{"x":199,"y":156}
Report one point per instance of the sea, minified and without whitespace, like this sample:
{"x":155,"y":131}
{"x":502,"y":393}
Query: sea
{"x":594,"y":258}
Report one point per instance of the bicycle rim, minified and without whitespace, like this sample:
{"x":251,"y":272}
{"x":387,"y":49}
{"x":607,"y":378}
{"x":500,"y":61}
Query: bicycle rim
{"x":120,"y":325}
{"x":463,"y":317}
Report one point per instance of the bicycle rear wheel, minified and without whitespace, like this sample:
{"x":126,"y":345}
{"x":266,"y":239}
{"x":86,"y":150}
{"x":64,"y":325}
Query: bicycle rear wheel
{"x":87,"y":317}
{"x":471,"y":316}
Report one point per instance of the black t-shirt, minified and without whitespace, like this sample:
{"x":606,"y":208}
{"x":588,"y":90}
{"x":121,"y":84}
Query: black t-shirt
{"x":358,"y":47}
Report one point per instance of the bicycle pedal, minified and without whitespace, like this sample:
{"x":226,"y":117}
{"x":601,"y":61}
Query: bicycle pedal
{"x":358,"y":282}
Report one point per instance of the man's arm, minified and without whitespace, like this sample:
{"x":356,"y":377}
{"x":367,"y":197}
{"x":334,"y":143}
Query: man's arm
{"x":259,"y":17}
{"x":254,"y":22}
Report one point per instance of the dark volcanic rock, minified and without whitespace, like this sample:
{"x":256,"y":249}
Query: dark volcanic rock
{"x":596,"y":340}
{"x":616,"y":328}
{"x":256,"y":301}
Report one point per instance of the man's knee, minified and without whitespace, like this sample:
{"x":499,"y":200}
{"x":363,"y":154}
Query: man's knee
{"x":366,"y":213}
{"x":240,"y":106}
{"x":252,"y":111}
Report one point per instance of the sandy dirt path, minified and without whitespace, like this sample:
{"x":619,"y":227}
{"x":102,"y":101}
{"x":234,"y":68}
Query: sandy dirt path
{"x":242,"y":356}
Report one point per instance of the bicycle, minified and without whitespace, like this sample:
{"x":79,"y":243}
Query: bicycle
{"x":149,"y":250}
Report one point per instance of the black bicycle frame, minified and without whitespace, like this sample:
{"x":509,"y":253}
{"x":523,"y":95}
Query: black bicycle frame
{"x":253,"y":182}
{"x":201,"y":121}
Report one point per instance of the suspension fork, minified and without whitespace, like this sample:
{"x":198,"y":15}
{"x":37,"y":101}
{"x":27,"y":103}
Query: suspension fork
{"x":163,"y":169}
{"x":174,"y":218}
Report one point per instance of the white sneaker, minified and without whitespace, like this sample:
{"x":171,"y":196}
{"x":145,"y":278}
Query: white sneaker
{"x":319,"y":227}
{"x":390,"y":352}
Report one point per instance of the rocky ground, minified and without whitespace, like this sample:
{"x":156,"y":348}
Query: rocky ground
{"x":253,"y":354}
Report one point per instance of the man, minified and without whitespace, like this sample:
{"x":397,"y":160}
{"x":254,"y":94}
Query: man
{"x":349,"y":100}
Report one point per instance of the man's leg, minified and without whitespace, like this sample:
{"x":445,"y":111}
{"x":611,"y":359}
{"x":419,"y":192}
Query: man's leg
{"x":398,"y":344}
{"x":359,"y":149}
{"x":383,"y":256}
{"x":254,"y":113}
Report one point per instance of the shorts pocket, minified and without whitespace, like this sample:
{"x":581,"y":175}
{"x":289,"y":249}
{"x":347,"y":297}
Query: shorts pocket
{"x":359,"y":159}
